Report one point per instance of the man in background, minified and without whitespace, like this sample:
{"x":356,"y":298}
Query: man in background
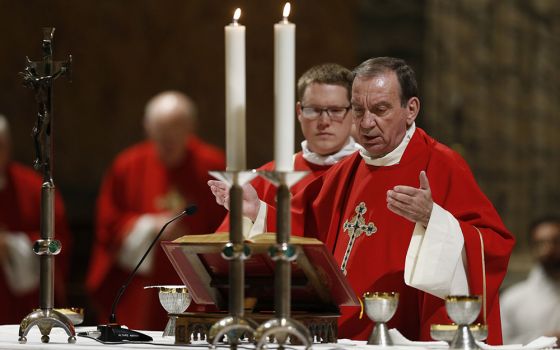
{"x":20,"y":213}
{"x":532,"y":308}
{"x":147,"y":185}
{"x":323,"y":111}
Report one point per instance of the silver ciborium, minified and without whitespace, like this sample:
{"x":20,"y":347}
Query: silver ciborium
{"x":463,"y":310}
{"x":175,"y":300}
{"x":380,"y":308}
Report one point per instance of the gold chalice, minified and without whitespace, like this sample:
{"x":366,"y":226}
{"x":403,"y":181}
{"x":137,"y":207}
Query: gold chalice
{"x":446,"y":332}
{"x":380,"y":307}
{"x":463,"y":310}
{"x":175,"y":300}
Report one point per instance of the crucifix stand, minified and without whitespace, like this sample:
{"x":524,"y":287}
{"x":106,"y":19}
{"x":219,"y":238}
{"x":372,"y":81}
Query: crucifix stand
{"x":40,"y":77}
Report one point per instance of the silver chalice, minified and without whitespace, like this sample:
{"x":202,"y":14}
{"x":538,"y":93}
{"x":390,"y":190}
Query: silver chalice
{"x":175,"y":300}
{"x":463,"y":310}
{"x":380,"y":308}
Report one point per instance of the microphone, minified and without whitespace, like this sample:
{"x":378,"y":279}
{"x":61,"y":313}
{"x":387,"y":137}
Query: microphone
{"x":113,"y":332}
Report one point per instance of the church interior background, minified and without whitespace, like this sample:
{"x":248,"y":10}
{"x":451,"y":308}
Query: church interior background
{"x":488,"y":74}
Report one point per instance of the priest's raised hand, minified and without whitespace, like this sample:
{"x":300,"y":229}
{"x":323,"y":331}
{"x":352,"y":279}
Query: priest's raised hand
{"x":251,"y":202}
{"x":414,"y":204}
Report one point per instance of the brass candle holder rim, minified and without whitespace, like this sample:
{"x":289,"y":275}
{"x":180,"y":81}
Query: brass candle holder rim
{"x":170,"y":288}
{"x":453,"y":327}
{"x":381,"y":295}
{"x":458,"y":298}
{"x":447,"y":332}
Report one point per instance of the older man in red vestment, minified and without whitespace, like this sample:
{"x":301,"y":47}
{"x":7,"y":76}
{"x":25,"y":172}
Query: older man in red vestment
{"x":388,"y":226}
{"x":323,"y":113}
{"x":146,"y":186}
{"x":20,"y":214}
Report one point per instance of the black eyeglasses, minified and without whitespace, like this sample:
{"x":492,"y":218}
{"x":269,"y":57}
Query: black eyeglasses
{"x":335,"y":113}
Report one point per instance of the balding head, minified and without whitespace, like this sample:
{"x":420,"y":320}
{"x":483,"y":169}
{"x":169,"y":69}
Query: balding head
{"x":169,"y":120}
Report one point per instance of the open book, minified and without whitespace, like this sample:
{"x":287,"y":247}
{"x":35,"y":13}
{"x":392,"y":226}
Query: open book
{"x":318,"y":285}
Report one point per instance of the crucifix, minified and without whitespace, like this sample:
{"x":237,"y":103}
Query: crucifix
{"x":40,"y":77}
{"x":355,"y":227}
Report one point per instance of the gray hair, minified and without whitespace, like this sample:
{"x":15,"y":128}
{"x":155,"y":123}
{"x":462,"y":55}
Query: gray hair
{"x":405,"y":74}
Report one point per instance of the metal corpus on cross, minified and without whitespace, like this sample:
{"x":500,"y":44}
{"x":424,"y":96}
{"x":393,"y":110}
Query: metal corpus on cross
{"x":355,"y":227}
{"x":40,"y":77}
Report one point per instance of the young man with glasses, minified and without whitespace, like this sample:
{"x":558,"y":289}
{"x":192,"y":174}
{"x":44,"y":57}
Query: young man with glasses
{"x":323,"y":111}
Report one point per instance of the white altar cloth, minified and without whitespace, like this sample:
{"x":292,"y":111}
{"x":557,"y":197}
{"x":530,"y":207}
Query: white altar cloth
{"x":59,"y":340}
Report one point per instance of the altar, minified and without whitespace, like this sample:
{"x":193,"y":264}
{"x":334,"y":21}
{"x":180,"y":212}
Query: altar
{"x":9,"y":336}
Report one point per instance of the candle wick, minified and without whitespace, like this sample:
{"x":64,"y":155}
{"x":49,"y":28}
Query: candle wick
{"x":285,"y":20}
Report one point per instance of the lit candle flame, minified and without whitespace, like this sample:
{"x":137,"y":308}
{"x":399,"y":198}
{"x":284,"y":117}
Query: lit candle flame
{"x":236,"y":15}
{"x":286,"y":12}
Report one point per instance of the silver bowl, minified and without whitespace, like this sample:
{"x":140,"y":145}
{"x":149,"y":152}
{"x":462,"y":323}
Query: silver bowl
{"x":380,"y":308}
{"x":463,"y":310}
{"x":175,"y":300}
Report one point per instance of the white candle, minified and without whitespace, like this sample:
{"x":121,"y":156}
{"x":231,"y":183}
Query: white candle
{"x":235,"y":94}
{"x":284,"y":92}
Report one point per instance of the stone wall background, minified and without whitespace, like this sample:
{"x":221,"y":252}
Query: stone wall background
{"x":491,"y":87}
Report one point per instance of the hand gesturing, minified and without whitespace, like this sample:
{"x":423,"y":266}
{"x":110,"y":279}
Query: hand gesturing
{"x":414,"y":204}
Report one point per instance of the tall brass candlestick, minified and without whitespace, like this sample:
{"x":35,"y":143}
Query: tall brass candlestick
{"x":235,"y":325}
{"x":283,"y":253}
{"x":40,"y":77}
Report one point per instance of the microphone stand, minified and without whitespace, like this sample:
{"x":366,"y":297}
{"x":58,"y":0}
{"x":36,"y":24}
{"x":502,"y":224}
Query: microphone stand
{"x":114,"y":332}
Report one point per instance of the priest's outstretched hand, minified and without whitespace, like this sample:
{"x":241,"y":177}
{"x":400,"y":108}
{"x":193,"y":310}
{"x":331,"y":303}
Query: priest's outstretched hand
{"x":251,"y":202}
{"x":414,"y":204}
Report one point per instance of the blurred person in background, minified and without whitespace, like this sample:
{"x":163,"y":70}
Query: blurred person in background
{"x":531,"y":308}
{"x":147,"y":185}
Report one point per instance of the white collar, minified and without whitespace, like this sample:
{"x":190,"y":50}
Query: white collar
{"x":350,"y":147}
{"x":393,"y":157}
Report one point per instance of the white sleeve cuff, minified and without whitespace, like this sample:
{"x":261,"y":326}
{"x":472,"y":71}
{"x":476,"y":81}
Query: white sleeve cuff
{"x":259,"y":226}
{"x":22,"y":266}
{"x":435,"y":260}
{"x":136,"y":243}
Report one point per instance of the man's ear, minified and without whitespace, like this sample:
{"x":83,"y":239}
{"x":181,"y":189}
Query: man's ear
{"x":413,"y":108}
{"x":298,"y":110}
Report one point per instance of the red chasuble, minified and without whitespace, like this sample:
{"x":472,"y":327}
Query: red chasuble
{"x":20,"y":211}
{"x":353,"y":191}
{"x":267,"y":191}
{"x":138,"y":183}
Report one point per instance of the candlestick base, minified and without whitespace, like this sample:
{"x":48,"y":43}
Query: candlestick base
{"x":45,"y":320}
{"x":235,"y":328}
{"x":281,"y":329}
